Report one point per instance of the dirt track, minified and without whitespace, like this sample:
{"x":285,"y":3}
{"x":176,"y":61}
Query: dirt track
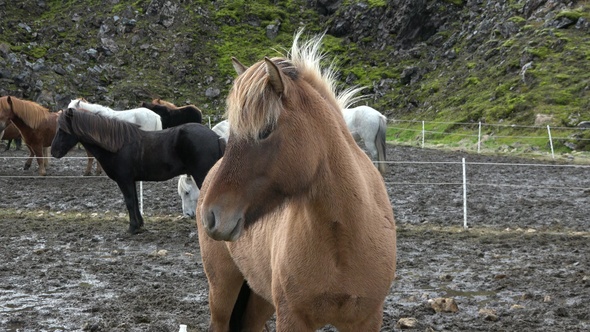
{"x":68,"y":264}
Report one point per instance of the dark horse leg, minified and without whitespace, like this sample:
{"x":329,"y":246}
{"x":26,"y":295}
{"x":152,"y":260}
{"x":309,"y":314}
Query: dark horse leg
{"x":130,"y":194}
{"x":18,"y":142}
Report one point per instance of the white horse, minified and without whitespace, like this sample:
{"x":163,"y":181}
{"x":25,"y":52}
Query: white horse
{"x":189,"y":193}
{"x":145,"y":118}
{"x":222,"y":129}
{"x":368,"y":125}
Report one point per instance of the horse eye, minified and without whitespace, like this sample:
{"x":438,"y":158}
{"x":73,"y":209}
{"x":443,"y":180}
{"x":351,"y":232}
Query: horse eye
{"x":265,"y":132}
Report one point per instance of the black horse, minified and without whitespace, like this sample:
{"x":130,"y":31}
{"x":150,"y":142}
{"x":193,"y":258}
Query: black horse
{"x":172,"y":117}
{"x":129,"y":154}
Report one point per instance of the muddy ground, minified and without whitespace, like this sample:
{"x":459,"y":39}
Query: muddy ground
{"x":67,"y":263}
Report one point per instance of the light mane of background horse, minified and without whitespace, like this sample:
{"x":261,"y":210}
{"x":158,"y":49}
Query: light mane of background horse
{"x":145,"y":118}
{"x":297,"y":208}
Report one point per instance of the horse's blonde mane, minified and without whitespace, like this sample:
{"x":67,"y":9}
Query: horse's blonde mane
{"x":30,"y":112}
{"x":252,"y":105}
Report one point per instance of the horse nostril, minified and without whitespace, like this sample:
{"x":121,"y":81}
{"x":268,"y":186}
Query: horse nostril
{"x":210,"y":220}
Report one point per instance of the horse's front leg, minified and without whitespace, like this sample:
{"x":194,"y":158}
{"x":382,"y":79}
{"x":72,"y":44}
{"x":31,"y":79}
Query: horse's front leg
{"x":225,"y":282}
{"x":130,"y":195}
{"x":88,"y":170}
{"x":30,"y":160}
{"x":46,"y":154}
{"x":39,"y":153}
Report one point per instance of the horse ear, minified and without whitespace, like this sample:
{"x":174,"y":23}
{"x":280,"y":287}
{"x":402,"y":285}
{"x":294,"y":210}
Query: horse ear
{"x":9,"y":100}
{"x":275,"y":76}
{"x":69,"y":112}
{"x":238,"y":66}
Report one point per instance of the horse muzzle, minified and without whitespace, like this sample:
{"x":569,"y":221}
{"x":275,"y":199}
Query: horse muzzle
{"x":221,"y":226}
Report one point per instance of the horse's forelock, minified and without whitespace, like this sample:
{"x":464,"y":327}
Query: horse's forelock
{"x":252,"y":104}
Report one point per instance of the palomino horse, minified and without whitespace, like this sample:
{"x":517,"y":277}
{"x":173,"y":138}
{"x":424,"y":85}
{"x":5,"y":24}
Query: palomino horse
{"x":143,"y":117}
{"x":189,"y":193}
{"x":295,"y":208}
{"x":172,"y":117}
{"x":37,"y":126}
{"x":129,"y":154}
{"x":366,"y":124}
{"x":9,"y":134}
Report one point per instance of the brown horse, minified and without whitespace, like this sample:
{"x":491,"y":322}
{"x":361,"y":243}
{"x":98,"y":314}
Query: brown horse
{"x":37,"y":126}
{"x":159,"y":101}
{"x":162,"y":102}
{"x":305,"y":215}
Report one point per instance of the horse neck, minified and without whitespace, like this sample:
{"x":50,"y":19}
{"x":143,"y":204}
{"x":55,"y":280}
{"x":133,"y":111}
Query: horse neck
{"x":20,"y":124}
{"x":343,"y":180}
{"x":339,"y":214}
{"x":97,"y":151}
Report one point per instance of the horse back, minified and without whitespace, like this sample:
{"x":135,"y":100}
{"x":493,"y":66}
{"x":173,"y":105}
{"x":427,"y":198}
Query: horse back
{"x":161,"y":110}
{"x":191,"y":112}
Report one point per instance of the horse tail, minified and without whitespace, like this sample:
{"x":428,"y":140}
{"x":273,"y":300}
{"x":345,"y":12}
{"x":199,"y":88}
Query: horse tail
{"x":380,"y":143}
{"x":239,"y":310}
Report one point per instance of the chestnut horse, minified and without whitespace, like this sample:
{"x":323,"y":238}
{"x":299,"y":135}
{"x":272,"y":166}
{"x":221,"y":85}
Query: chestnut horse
{"x":294,"y":208}
{"x":37,"y":126}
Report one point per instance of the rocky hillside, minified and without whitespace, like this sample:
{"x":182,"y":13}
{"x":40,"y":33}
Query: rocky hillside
{"x":445,"y":60}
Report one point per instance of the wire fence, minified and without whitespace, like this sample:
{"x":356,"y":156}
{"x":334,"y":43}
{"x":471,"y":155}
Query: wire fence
{"x":540,"y":138}
{"x":464,"y":188}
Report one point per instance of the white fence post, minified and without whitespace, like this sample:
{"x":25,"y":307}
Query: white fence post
{"x":141,"y":197}
{"x":550,"y":142}
{"x":464,"y":195}
{"x":479,"y":138}
{"x":423,"y":134}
